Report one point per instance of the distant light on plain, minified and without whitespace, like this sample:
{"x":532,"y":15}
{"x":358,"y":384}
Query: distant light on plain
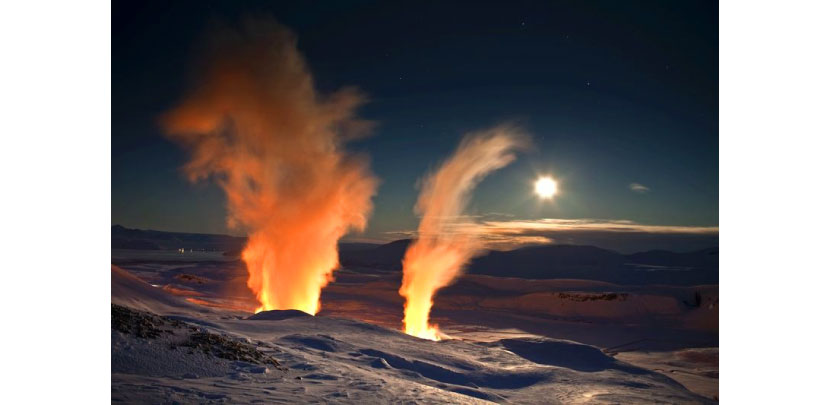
{"x":546,"y":187}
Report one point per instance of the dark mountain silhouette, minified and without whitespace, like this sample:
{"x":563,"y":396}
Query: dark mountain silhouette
{"x":356,"y":246}
{"x":140,"y":239}
{"x":567,"y":261}
{"x":699,"y":258}
{"x":534,"y":262}
{"x":135,"y":244}
{"x":125,"y":238}
{"x":386,"y":257}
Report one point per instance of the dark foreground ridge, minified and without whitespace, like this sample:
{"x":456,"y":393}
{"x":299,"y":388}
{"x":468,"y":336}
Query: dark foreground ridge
{"x":146,"y":325}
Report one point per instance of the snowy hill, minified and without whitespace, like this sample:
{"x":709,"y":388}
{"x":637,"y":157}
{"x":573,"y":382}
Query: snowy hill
{"x":181,"y":352}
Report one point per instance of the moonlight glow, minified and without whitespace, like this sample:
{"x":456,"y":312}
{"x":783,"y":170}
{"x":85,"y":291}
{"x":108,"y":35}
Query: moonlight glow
{"x":546,"y":187}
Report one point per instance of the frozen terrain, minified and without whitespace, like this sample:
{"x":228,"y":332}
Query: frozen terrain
{"x":182,"y":332}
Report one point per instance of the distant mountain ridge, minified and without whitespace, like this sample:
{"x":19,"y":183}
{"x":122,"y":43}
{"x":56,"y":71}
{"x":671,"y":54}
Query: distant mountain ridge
{"x":533,"y":262}
{"x":125,"y":238}
{"x":567,"y":261}
{"x":141,"y":239}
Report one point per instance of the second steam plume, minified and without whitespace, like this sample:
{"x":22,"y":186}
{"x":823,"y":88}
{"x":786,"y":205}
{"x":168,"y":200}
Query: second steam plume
{"x":445,"y":245}
{"x":255,"y":124}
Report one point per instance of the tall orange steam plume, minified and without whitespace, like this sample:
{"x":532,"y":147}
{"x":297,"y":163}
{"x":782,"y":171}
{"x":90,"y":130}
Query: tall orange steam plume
{"x":446,"y":242}
{"x":255,"y":124}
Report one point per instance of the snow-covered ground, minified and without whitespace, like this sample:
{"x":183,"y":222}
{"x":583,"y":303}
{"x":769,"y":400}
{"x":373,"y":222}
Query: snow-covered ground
{"x":524,"y":352}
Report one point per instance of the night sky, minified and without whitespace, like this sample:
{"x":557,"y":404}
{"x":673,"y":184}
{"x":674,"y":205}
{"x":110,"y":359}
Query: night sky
{"x":613,"y":93}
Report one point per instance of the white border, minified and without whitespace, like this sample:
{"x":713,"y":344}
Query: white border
{"x":774,"y":272}
{"x":55,"y":165}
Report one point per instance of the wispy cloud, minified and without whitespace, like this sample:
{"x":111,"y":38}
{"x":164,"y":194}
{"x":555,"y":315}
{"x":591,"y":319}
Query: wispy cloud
{"x":638,"y":188}
{"x":621,"y":235}
{"x":589,"y":225}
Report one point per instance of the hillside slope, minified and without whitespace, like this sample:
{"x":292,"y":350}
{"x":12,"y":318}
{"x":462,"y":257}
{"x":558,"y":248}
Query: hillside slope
{"x":323,"y":359}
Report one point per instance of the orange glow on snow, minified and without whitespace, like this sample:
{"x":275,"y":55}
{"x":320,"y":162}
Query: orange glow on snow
{"x":211,"y":304}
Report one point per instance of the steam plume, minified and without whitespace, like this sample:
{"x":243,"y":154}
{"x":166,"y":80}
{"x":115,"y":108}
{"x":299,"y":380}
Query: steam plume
{"x":439,"y":254}
{"x":255,"y":124}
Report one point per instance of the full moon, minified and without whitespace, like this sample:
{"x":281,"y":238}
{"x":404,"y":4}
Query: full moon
{"x":546,"y":187}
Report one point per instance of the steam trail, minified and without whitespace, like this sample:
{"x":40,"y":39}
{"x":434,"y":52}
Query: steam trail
{"x":255,"y":124}
{"x":441,"y":251}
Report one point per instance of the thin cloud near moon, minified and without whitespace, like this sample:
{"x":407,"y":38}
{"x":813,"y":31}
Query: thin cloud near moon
{"x":638,"y":188}
{"x":513,"y":234}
